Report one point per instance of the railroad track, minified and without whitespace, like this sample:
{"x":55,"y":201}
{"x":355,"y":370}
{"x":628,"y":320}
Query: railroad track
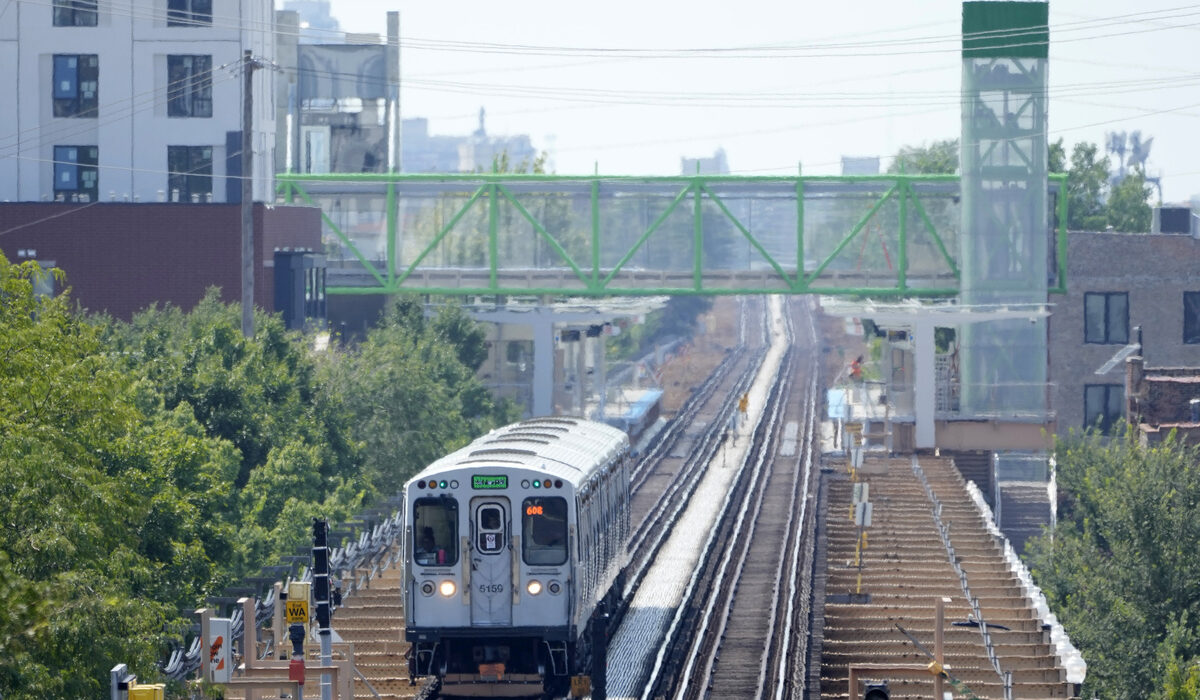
{"x":700,"y":410}
{"x":686,"y":448}
{"x":668,"y":472}
{"x":749,"y":603}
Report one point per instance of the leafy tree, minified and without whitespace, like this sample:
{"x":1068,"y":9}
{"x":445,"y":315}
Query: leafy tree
{"x":1129,"y":204}
{"x":144,"y":465}
{"x":1056,"y":159}
{"x":1182,"y":681}
{"x":468,"y":338}
{"x":676,"y":320}
{"x":1121,"y":570}
{"x":410,"y":393}
{"x":1087,"y":188}
{"x":939,"y":157}
{"x":71,"y":572}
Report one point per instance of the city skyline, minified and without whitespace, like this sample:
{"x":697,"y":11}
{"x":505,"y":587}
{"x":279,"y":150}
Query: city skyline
{"x":635,"y":88}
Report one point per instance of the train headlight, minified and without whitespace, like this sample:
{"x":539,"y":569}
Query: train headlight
{"x":554,"y":587}
{"x":534,"y":587}
{"x":427,"y":588}
{"x":447,"y":588}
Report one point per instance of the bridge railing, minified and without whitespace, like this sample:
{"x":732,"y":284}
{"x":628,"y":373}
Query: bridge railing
{"x":503,"y":233}
{"x":368,"y":548}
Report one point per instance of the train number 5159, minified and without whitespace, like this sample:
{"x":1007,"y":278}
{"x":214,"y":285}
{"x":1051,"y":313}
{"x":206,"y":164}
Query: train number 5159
{"x":491,"y":588}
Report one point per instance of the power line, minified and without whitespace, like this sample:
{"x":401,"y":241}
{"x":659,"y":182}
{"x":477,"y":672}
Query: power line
{"x":760,"y":51}
{"x":125,"y":108}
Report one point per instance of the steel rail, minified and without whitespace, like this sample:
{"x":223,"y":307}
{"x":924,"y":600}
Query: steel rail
{"x":676,"y":639}
{"x":706,"y":638}
{"x":798,"y":575}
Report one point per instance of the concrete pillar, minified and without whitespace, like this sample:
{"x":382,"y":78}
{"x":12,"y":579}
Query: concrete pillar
{"x":924,"y":382}
{"x":601,"y":374}
{"x":580,"y":373}
{"x":394,"y":150}
{"x":543,"y":365}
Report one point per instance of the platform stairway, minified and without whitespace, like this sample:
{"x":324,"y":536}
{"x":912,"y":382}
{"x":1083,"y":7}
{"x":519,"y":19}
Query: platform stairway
{"x":905,"y":570}
{"x":373,"y":621}
{"x":1024,"y":511}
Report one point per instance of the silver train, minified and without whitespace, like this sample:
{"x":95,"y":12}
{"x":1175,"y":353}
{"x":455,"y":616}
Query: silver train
{"x":511,"y":543}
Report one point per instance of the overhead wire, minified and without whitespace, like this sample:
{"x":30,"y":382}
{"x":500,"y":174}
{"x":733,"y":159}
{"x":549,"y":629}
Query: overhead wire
{"x":806,"y":101}
{"x":268,"y":26}
{"x":539,"y":92}
{"x":118,"y":110}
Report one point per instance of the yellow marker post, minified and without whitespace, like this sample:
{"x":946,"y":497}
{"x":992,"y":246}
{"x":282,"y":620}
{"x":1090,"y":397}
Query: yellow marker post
{"x":581,"y":686}
{"x":297,"y":611}
{"x":151,"y":691}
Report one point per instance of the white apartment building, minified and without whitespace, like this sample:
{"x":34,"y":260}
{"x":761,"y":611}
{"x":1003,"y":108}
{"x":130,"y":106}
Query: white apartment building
{"x":135,"y":100}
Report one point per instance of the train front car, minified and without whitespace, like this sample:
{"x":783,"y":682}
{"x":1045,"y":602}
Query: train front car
{"x":510,"y":544}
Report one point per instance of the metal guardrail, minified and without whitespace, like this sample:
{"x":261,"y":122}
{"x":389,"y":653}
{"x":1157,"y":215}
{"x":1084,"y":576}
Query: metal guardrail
{"x":354,"y":565}
{"x":944,"y":531}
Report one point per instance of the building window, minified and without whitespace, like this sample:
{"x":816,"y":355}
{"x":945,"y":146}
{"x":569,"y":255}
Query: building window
{"x":1103,"y":406}
{"x":189,"y":13}
{"x":1106,"y":317}
{"x":74,"y":13}
{"x":190,"y":178}
{"x":1191,"y":317}
{"x":76,"y":85}
{"x":75,"y":176}
{"x":189,"y":87}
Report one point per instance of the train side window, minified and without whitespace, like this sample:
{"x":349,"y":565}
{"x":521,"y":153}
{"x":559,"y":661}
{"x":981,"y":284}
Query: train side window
{"x":435,"y":531}
{"x":544,"y":531}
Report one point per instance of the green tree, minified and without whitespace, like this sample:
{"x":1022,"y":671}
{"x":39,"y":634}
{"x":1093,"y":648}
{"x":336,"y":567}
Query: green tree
{"x":1129,"y":204}
{"x":410,"y":393}
{"x":1087,"y":188}
{"x":939,"y":157}
{"x":1121,"y":570}
{"x":1056,"y":159}
{"x":467,"y":337}
{"x":71,"y":572}
{"x":1182,"y":681}
{"x":255,"y":405}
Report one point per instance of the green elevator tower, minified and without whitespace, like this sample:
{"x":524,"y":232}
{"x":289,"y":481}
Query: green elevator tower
{"x":1005,"y":228}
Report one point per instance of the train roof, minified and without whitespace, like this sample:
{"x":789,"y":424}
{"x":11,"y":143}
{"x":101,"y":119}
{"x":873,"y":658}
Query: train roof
{"x":571,"y":449}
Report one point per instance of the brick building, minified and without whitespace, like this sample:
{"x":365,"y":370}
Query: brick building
{"x":120,"y":258}
{"x":1117,"y":282}
{"x":1159,"y":400}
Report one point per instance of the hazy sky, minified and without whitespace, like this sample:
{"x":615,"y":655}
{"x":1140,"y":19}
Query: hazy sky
{"x":806,"y":82}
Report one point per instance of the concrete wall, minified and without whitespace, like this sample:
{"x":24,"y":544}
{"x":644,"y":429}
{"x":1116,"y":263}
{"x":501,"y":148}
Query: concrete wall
{"x":1154,"y":270}
{"x":132,"y":129}
{"x":120,"y":258}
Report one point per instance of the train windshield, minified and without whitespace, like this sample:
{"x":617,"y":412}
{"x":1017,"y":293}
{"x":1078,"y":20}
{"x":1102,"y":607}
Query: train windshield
{"x":435,"y":531}
{"x":544,"y":531}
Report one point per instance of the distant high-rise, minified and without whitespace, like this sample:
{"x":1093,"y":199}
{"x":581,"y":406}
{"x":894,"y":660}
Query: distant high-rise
{"x":105,"y":104}
{"x":717,"y":165}
{"x":429,"y":153}
{"x":317,"y":26}
{"x":860,"y":165}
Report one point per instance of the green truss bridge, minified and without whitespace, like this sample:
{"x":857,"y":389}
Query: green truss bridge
{"x":596,"y":236}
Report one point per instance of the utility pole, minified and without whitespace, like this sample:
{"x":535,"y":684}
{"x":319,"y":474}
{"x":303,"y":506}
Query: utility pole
{"x":248,"y":66}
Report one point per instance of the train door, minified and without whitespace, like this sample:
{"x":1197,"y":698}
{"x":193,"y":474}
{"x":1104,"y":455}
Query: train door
{"x":491,"y":563}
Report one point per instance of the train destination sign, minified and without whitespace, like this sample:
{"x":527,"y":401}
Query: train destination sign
{"x":483,"y":481}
